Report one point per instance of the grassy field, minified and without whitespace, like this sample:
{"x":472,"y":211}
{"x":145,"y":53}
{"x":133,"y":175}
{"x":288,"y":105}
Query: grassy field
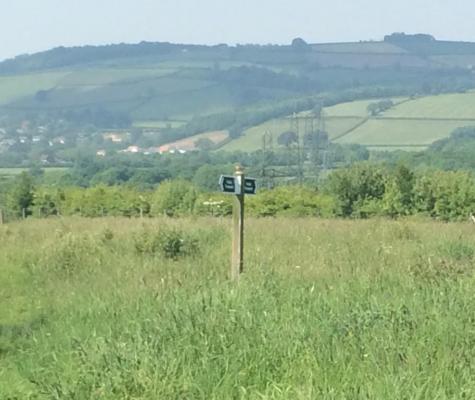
{"x":252,"y":138}
{"x":400,"y":132}
{"x":411,"y":125}
{"x":356,"y":108}
{"x":325,"y":309}
{"x":159,"y":124}
{"x":453,"y":106}
{"x":189,"y":143}
{"x":17,"y":86}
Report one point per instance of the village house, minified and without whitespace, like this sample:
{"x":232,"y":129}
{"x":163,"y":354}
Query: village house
{"x":132,"y":149}
{"x":59,"y":140}
{"x":115,"y":137}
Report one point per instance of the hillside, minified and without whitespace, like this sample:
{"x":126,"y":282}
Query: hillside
{"x":160,"y":93}
{"x":410,"y":124}
{"x":160,"y":81}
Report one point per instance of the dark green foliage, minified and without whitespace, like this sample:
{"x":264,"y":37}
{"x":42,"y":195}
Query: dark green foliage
{"x":169,"y":243}
{"x":20,"y":197}
{"x":174,"y":198}
{"x":379,"y":107}
{"x":287,"y":138}
{"x":356,"y":187}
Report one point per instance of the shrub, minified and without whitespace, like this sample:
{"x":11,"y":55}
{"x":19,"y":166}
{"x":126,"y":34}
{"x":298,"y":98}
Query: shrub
{"x":174,"y":198}
{"x":167,"y":243}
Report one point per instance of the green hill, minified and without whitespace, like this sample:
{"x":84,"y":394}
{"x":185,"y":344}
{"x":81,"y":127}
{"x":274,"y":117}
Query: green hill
{"x":156,"y":81}
{"x":411,"y":124}
{"x":183,"y":90}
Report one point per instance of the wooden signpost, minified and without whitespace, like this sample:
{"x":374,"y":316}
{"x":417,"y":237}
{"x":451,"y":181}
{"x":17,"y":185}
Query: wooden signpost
{"x":239,"y":186}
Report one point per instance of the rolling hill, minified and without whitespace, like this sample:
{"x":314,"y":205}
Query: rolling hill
{"x":411,"y":124}
{"x":185,"y":90}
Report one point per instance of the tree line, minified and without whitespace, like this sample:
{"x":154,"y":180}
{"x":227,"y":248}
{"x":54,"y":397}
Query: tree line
{"x":362,"y":191}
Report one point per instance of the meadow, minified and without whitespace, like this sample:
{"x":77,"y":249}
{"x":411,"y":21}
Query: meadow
{"x":143,"y":309}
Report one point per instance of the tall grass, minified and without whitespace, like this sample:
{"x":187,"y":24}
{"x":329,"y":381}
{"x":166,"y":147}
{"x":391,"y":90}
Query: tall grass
{"x":325,"y":309}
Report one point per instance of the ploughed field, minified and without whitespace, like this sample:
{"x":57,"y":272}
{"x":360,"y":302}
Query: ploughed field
{"x":123,"y":308}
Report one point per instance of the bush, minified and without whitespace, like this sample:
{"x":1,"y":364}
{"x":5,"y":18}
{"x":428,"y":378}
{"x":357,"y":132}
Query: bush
{"x":167,"y":243}
{"x":291,"y":201}
{"x":174,"y":198}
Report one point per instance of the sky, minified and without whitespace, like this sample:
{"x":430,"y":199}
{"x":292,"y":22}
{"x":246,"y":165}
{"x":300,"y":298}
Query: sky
{"x":28,"y":26}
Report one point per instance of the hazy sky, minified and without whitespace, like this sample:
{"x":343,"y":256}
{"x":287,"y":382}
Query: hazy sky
{"x":32,"y":25}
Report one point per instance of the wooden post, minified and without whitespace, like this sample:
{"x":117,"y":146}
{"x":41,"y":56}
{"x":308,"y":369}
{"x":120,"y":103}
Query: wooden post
{"x":237,"y":265}
{"x":2,"y":219}
{"x":23,"y":213}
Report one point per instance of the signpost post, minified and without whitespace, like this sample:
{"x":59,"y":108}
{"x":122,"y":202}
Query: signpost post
{"x":238,"y":185}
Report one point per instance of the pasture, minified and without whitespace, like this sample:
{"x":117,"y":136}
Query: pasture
{"x":412,"y":124}
{"x":17,"y":86}
{"x":143,"y":309}
{"x":394,"y":132}
{"x":356,"y":108}
{"x":457,"y":106}
{"x":252,"y":138}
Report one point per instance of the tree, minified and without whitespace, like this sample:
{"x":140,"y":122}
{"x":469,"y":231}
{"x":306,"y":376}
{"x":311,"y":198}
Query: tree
{"x":356,"y":188}
{"x":399,"y":192}
{"x":204,"y":144}
{"x":173,"y":198}
{"x":207,"y":176}
{"x":20,"y":198}
{"x":300,"y":44}
{"x":287,"y":138}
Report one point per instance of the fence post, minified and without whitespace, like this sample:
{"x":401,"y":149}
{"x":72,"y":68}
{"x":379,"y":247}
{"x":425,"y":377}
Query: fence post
{"x":2,"y":219}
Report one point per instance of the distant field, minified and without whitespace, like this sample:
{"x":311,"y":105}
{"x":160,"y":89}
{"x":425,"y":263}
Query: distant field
{"x":461,"y":61}
{"x":16,"y":171}
{"x":188,"y":144}
{"x":165,"y":91}
{"x":103,"y":76}
{"x":159,"y":124}
{"x":400,"y":132}
{"x":455,"y":106}
{"x":417,"y":122}
{"x":252,"y":138}
{"x":359,"y":47}
{"x":355,"y":108}
{"x":17,"y":86}
{"x":410,"y":125}
{"x":397,"y":148}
